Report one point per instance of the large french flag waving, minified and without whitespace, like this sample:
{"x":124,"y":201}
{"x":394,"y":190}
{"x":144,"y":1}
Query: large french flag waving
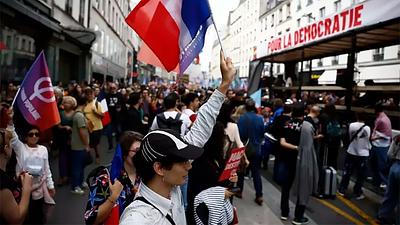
{"x":173,"y":30}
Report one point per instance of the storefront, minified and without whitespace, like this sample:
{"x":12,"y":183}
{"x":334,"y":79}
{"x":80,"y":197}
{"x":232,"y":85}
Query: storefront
{"x":26,"y":28}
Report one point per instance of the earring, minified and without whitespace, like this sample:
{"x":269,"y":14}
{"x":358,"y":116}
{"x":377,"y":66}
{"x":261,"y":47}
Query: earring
{"x":163,"y":179}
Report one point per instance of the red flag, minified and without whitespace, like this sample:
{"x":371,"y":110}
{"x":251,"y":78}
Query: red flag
{"x":36,"y":99}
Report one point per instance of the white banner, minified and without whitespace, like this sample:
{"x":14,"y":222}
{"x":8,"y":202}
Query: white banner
{"x":364,"y":14}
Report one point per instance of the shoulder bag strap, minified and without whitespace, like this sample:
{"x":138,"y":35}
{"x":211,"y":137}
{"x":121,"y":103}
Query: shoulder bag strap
{"x":355,"y":135}
{"x":169,"y":218}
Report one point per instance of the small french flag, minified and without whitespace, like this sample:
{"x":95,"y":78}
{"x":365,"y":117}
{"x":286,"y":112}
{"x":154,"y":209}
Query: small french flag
{"x":173,"y":31}
{"x":102,"y":100}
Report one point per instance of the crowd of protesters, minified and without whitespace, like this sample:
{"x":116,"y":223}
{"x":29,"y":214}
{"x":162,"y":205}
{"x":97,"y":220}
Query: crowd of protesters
{"x":173,"y":145}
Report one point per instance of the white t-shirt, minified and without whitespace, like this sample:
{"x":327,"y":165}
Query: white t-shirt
{"x":232,"y":131}
{"x":185,"y":121}
{"x":360,"y":146}
{"x":142,"y":213}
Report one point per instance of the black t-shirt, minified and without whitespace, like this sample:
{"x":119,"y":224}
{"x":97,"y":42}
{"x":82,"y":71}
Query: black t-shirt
{"x":292,"y":131}
{"x":114,"y":101}
{"x":278,"y":126}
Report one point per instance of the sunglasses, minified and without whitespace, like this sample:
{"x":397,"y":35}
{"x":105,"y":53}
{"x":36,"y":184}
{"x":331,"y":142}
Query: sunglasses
{"x":33,"y":134}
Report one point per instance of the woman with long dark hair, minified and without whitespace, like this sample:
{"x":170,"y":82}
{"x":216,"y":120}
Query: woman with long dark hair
{"x":207,"y":169}
{"x":119,"y":192}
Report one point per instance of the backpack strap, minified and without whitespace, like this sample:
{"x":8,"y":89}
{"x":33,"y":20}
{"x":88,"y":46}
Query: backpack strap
{"x":169,"y":218}
{"x":178,"y":116}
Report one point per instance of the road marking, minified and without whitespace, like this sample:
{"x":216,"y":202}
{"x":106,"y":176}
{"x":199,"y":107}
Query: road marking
{"x":341,"y":212}
{"x":357,"y":210}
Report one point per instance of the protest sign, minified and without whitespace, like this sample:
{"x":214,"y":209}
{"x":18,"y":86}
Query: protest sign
{"x":232,"y":164}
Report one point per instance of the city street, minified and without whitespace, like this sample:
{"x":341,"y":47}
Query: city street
{"x":70,"y":207}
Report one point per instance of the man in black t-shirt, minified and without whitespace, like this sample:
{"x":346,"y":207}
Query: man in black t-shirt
{"x":114,"y":104}
{"x":289,"y":141}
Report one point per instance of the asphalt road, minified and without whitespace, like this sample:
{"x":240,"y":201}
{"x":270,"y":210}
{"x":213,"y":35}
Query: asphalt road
{"x":70,"y":207}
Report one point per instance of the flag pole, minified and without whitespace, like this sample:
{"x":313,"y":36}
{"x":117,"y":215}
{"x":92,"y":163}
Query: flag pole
{"x":216,"y":30}
{"x":15,"y":97}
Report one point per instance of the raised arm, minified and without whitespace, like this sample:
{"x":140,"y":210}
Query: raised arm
{"x":206,"y":117}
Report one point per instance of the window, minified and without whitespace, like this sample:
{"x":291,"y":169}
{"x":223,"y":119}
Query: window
{"x":335,"y":60}
{"x":310,"y":18}
{"x":96,"y":44}
{"x":272,"y":20}
{"x":102,"y":40}
{"x":319,"y":63}
{"x":22,"y":44}
{"x":309,"y":2}
{"x":378,"y":54}
{"x":112,"y":16}
{"x":322,"y":12}
{"x":299,"y":5}
{"x":298,"y":22}
{"x":337,"y":5}
{"x":106,"y":46}
{"x":82,"y":12}
{"x":109,"y":11}
{"x":288,"y":10}
{"x":280,"y":15}
{"x":68,"y":7}
{"x":266,"y":24}
{"x":104,"y":7}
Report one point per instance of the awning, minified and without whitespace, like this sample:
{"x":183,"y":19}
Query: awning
{"x":391,"y":72}
{"x":84,"y":36}
{"x":372,"y":24}
{"x":49,"y":22}
{"x":328,"y":77}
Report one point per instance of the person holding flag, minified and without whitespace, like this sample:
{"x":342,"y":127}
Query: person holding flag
{"x":37,"y":104}
{"x":34,"y":159}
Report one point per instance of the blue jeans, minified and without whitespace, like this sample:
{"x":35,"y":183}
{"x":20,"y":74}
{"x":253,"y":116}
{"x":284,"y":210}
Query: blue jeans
{"x":255,"y":166}
{"x":359,"y":164}
{"x":379,"y":164}
{"x":78,"y":165}
{"x":392,"y":195}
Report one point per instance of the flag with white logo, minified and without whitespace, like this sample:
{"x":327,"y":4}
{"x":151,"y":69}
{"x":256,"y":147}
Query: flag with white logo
{"x":36,"y":99}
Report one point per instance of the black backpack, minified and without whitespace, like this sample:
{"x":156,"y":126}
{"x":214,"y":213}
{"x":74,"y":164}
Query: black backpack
{"x":170,"y":123}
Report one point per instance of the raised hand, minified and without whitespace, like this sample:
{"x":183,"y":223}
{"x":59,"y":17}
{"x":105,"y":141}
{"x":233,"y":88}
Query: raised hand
{"x":228,"y":72}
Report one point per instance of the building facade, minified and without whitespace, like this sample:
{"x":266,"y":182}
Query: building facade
{"x":240,"y":40}
{"x":380,"y":65}
{"x":249,"y":35}
{"x":29,"y":27}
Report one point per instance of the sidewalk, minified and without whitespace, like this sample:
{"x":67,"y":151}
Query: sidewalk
{"x":269,"y":213}
{"x":249,"y":212}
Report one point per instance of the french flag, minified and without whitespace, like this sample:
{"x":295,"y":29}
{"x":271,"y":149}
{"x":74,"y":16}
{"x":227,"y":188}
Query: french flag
{"x":173,"y":31}
{"x":101,"y":98}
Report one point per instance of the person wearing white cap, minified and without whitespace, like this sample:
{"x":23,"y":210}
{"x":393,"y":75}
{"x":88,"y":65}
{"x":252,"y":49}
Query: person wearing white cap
{"x":165,"y":158}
